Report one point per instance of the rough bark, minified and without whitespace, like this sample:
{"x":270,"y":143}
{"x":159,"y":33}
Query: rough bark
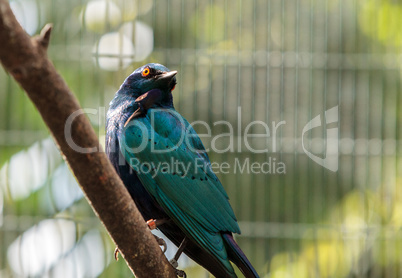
{"x":25,"y":58}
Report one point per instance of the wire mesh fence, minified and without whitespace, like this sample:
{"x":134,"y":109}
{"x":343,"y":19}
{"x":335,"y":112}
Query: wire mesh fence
{"x":297,"y":101}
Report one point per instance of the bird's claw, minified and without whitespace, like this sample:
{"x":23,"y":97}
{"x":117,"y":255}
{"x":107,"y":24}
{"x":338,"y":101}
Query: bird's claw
{"x":154,"y":223}
{"x":174,"y":263}
{"x":116,"y":254}
{"x":151,"y":224}
{"x":161,"y":242}
{"x":179,"y":272}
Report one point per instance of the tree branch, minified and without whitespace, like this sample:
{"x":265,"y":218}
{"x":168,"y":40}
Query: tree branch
{"x":25,"y":58}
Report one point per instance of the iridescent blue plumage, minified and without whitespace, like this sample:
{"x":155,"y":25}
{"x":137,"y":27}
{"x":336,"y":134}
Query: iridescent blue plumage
{"x":162,"y":162}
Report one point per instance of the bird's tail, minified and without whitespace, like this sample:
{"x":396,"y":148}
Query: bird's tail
{"x":237,"y":256}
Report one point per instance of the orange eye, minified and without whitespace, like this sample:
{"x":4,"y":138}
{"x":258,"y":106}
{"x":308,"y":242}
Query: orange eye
{"x":145,"y":72}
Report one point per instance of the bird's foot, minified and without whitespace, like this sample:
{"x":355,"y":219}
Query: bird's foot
{"x":161,"y":242}
{"x":174,"y":262}
{"x":151,"y":224}
{"x":154,"y":223}
{"x":179,"y":272}
{"x":116,"y":254}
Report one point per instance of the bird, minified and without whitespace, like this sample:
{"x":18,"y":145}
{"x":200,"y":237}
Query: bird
{"x":163,"y":164}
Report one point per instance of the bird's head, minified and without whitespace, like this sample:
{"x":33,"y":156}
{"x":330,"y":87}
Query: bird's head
{"x":149,"y":77}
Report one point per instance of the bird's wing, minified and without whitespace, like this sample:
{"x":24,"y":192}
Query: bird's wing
{"x":174,"y":173}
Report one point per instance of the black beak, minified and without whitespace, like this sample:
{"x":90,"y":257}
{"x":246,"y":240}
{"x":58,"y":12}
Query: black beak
{"x":167,"y":79}
{"x":167,"y":75}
